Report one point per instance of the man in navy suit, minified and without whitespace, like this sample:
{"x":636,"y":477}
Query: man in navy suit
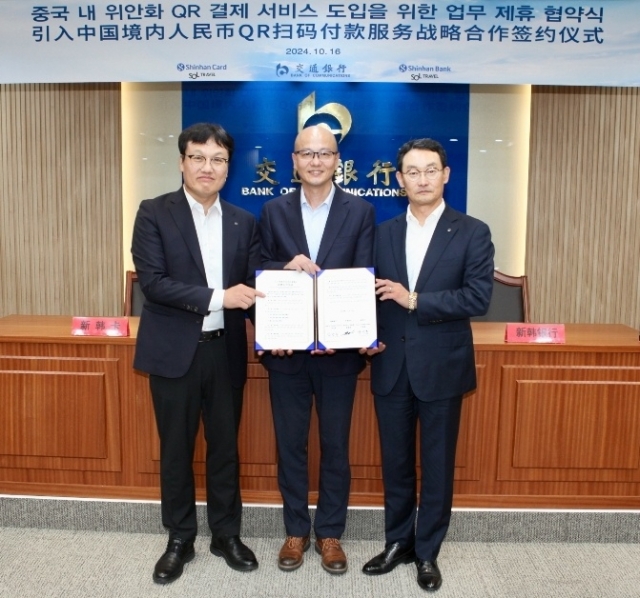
{"x":434,"y":269}
{"x":196,"y":257}
{"x":316,"y":227}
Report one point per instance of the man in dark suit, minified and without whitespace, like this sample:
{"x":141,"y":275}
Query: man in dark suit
{"x":317,"y":227}
{"x":196,"y":256}
{"x":434,"y":269}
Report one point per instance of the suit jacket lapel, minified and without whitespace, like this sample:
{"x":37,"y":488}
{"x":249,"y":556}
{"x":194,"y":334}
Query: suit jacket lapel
{"x":337,"y":217}
{"x":295,"y":224}
{"x":179,"y":209}
{"x":230,"y":239}
{"x":446,"y":229}
{"x":399,"y":248}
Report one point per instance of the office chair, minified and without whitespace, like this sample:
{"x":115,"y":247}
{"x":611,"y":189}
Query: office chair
{"x":133,"y":297}
{"x":509,"y":301}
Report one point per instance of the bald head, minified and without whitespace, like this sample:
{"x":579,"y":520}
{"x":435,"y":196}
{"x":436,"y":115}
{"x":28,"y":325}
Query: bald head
{"x":318,"y":164}
{"x":319,"y":136}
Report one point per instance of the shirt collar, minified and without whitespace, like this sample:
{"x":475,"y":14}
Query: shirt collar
{"x":198,"y":206}
{"x":435,"y":215}
{"x":327,"y":202}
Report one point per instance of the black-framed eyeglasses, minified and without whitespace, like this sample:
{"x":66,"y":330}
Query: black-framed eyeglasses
{"x":200,"y":161}
{"x":307,"y":154}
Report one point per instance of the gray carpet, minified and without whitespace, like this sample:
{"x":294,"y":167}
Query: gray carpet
{"x":45,"y":563}
{"x":55,"y":548}
{"x":362,"y":523}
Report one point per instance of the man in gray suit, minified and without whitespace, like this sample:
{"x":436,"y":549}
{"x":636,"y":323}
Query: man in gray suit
{"x":434,"y":268}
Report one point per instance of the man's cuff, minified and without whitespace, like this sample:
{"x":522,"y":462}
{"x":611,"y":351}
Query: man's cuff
{"x":216,"y":300}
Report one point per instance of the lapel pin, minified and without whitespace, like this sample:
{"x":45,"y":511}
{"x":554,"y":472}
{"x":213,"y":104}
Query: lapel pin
{"x":448,"y":230}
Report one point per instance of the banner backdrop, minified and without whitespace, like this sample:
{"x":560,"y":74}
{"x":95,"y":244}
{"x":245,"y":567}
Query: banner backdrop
{"x":371,"y":122}
{"x":562,"y":42}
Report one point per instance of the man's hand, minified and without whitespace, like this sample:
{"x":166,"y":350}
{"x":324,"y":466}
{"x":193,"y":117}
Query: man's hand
{"x":302,"y":263}
{"x":277,"y":352}
{"x":323,"y":351}
{"x":387,"y":289}
{"x":241,"y":296}
{"x":369,"y":352}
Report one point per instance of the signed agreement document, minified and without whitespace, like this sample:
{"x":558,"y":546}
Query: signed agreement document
{"x":335,"y":309}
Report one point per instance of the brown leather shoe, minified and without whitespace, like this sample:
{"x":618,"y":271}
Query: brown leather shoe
{"x":334,"y":560}
{"x":292,"y":552}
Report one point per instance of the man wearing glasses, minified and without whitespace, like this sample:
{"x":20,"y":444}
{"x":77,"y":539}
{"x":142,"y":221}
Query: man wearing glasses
{"x":434,"y":269}
{"x":316,"y":227}
{"x":196,"y":257}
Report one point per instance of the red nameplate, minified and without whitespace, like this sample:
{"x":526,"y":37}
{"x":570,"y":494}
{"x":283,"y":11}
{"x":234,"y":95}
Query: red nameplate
{"x":100,"y":326}
{"x":535,"y":333}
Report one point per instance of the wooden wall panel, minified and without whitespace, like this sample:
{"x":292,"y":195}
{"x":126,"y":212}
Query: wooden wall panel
{"x":569,"y":423}
{"x":584,"y":205}
{"x":468,"y":454}
{"x":257,"y":440}
{"x":257,"y":443}
{"x":60,"y":199}
{"x":60,"y":414}
{"x":37,"y":399}
{"x":555,"y":419}
{"x":549,"y":426}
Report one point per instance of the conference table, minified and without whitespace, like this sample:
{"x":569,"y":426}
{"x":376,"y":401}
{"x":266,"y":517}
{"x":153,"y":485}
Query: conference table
{"x":549,"y":426}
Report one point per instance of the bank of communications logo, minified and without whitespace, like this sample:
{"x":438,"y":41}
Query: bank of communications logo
{"x":282,"y":70}
{"x":333,"y":116}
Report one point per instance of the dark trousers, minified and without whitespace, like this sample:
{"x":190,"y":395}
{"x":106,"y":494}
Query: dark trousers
{"x":291,"y":402}
{"x":398,"y":414}
{"x":203,"y":393}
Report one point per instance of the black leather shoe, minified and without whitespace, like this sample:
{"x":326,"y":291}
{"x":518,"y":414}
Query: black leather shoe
{"x":389,"y":558}
{"x":429,"y":576}
{"x":232,"y":550}
{"x":170,"y":565}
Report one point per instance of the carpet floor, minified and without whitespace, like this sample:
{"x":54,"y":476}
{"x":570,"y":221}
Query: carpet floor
{"x":52,"y":563}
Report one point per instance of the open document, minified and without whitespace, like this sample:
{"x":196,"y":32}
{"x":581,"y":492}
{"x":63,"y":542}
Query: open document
{"x":335,"y":309}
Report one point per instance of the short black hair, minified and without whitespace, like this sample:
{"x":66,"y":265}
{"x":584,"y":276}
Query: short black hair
{"x":421,"y":144}
{"x":203,"y":132}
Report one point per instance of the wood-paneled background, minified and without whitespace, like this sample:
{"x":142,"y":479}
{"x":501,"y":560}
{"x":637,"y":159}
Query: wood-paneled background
{"x":583,"y":244}
{"x":60,"y":210}
{"x":61,"y":199}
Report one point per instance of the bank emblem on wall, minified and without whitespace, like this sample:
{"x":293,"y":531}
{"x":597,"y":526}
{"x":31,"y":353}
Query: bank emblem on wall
{"x":334,"y":116}
{"x":370,"y":122}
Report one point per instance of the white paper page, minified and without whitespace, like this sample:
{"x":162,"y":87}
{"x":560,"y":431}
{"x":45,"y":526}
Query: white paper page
{"x":284,"y":318}
{"x":346,"y":308}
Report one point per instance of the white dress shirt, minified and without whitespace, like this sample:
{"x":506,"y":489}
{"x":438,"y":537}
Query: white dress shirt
{"x":209,"y":231}
{"x":418,"y":240}
{"x":314,"y":221}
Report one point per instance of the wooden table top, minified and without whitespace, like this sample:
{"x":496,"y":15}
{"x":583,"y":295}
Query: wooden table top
{"x":579,"y":337}
{"x":50,"y":329}
{"x":486,"y":335}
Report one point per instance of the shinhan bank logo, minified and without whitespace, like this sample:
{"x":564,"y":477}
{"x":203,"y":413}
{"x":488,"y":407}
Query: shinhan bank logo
{"x":403,"y":68}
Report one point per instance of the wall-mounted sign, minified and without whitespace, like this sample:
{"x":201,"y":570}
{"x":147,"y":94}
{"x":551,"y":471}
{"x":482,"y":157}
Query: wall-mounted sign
{"x":563,"y":42}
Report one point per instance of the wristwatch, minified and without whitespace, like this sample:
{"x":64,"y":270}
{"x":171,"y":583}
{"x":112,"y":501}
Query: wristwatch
{"x":413,"y":301}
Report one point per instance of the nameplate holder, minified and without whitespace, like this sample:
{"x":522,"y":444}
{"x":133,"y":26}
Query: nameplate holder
{"x":91,"y":326}
{"x":535,"y":333}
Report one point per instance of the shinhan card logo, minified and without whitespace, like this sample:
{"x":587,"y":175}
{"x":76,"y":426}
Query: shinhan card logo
{"x":197,"y":71}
